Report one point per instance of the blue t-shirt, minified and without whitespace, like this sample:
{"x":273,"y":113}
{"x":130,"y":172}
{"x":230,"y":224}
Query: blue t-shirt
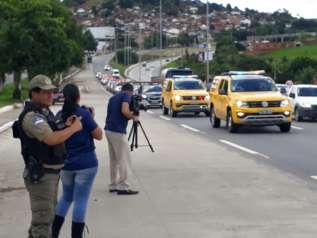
{"x":80,"y":146}
{"x":116,"y":121}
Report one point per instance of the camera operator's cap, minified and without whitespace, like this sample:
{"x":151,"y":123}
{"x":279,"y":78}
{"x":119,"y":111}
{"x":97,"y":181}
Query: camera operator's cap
{"x":41,"y":81}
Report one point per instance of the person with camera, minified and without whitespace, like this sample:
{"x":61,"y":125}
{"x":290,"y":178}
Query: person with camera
{"x":43,"y":152}
{"x":118,"y":115}
{"x":81,"y":164}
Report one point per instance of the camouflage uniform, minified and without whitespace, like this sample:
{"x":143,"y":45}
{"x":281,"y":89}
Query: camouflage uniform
{"x":43,"y":196}
{"x":35,"y":124}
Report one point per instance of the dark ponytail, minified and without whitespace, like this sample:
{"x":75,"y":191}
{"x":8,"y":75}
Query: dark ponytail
{"x":71,"y":95}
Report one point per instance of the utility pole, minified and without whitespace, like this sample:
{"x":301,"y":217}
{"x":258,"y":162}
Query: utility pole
{"x":124,"y":47}
{"x":115,"y":45}
{"x":207,"y":40}
{"x":140,"y":43}
{"x":161,"y":36}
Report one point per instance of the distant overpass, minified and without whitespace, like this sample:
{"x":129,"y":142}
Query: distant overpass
{"x":280,"y":37}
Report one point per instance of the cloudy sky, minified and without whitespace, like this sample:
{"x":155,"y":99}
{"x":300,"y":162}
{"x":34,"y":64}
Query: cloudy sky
{"x":303,"y":8}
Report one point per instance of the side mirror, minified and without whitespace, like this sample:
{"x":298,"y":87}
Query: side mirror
{"x":283,"y":90}
{"x":222,"y":92}
{"x":292,"y":95}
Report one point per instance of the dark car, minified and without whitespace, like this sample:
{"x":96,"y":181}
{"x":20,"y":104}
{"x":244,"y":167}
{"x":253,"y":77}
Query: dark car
{"x":58,"y":96}
{"x":152,"y":96}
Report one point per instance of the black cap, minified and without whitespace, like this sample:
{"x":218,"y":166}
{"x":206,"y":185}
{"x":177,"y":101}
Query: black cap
{"x":127,"y":87}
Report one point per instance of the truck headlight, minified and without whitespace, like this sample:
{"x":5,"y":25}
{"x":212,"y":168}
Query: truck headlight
{"x":285,"y":103}
{"x":241,"y":104}
{"x":207,"y":98}
{"x":305,"y":104}
{"x":178,"y":98}
{"x":144,"y":96}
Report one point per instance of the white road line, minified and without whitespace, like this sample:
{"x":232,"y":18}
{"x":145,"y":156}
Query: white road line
{"x":149,"y":111}
{"x":297,"y":128}
{"x":165,"y":118}
{"x":189,"y":128}
{"x":244,"y":149}
{"x":6,"y":126}
{"x":314,"y":177}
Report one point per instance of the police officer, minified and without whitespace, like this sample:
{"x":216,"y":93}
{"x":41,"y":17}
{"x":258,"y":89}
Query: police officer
{"x":43,"y":152}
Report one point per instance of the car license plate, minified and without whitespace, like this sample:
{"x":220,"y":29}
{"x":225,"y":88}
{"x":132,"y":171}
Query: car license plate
{"x":265,"y":112}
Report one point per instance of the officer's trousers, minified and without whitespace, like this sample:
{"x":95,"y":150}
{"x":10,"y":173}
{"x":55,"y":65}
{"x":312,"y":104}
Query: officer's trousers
{"x":43,"y":199}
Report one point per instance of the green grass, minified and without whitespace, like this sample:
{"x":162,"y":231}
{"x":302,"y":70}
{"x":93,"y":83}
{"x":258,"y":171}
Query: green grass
{"x":6,"y":94}
{"x":291,"y":53}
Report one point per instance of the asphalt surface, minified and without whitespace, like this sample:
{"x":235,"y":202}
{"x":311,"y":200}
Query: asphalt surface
{"x":292,"y":152}
{"x":190,"y":187}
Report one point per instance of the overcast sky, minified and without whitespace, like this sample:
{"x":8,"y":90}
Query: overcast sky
{"x":303,"y":8}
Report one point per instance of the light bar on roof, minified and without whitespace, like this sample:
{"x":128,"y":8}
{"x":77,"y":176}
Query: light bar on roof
{"x":185,"y":76}
{"x":256,"y":72}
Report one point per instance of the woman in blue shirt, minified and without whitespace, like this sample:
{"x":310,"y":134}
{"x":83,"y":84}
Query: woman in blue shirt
{"x":81,"y":164}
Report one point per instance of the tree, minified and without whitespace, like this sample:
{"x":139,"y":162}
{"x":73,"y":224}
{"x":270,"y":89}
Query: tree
{"x":126,"y":3}
{"x":228,"y":8}
{"x":40,"y":37}
{"x":90,"y":43}
{"x":122,"y":54}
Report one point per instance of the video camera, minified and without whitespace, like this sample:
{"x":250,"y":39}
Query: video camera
{"x":135,"y":104}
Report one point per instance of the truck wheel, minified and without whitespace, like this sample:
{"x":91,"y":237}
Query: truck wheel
{"x":165,"y":109}
{"x":232,"y":127}
{"x":298,"y":117}
{"x":172,"y":112}
{"x":286,"y":127}
{"x":215,"y":121}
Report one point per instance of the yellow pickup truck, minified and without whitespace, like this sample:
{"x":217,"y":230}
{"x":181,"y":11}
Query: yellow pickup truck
{"x":184,"y":94}
{"x":248,"y":98}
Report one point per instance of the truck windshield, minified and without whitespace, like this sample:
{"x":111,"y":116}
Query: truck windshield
{"x":307,"y":92}
{"x":253,"y":85}
{"x":182,"y":72}
{"x":188,"y":85}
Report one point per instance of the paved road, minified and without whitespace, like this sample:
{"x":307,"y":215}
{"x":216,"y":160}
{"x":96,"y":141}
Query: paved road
{"x":190,"y":187}
{"x":294,"y":152}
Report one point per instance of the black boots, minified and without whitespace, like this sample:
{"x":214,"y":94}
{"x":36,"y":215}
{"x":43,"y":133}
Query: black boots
{"x":77,"y":229}
{"x":57,"y":225}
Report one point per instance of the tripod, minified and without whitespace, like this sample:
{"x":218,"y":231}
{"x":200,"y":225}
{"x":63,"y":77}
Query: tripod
{"x":134,"y":133}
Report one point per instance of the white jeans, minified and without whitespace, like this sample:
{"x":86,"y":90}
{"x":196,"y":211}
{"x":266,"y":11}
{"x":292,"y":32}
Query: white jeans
{"x":119,"y":153}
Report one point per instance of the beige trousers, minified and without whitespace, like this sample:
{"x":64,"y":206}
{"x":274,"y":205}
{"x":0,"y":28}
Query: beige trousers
{"x":119,"y":153}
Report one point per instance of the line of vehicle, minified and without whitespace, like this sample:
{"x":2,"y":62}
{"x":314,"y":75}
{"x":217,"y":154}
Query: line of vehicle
{"x":247,"y":150}
{"x":190,"y":128}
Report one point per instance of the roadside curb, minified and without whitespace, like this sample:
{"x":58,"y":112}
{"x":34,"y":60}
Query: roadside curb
{"x":8,"y":108}
{"x":6,"y":126}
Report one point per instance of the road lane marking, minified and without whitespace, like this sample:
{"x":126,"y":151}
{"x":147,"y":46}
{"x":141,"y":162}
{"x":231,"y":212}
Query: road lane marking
{"x":165,"y":118}
{"x":297,"y":128}
{"x":189,"y":128}
{"x":149,"y":111}
{"x":239,"y":147}
{"x":314,"y":177}
{"x":6,"y":126}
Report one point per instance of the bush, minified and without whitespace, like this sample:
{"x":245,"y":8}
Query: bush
{"x":123,"y":54}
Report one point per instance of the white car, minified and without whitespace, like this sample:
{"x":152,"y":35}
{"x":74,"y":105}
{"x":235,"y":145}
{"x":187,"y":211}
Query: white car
{"x":98,"y":75}
{"x":107,"y":68}
{"x":304,"y":98}
{"x":115,"y":73}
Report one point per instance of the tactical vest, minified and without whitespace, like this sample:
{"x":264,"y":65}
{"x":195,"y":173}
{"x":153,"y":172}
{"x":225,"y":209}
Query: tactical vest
{"x":46,"y":154}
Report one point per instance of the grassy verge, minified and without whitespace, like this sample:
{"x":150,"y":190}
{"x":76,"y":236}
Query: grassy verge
{"x":6,"y":94}
{"x":121,"y":67}
{"x":291,"y":53}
